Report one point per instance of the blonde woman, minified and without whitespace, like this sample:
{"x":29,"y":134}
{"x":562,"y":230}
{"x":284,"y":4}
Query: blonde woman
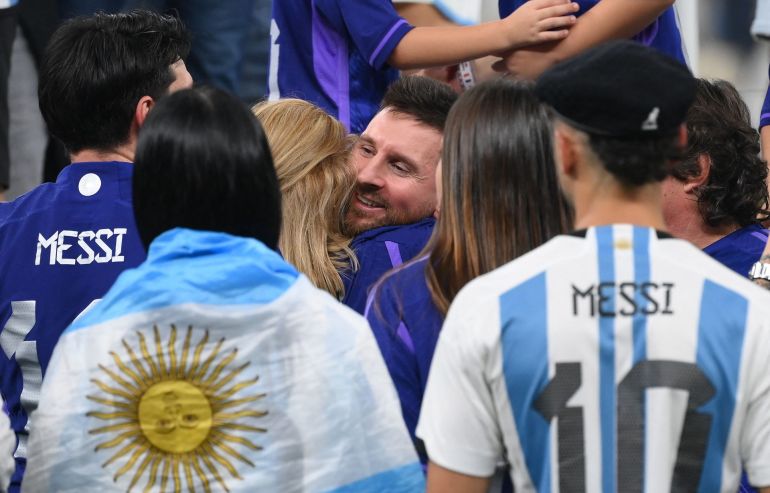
{"x":310,"y":151}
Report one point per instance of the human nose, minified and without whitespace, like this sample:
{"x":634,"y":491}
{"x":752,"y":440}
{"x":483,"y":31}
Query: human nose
{"x":371,"y":173}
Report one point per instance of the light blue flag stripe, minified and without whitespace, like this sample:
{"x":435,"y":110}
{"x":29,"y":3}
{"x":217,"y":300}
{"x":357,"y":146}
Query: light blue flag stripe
{"x":406,"y":479}
{"x":252,"y":275}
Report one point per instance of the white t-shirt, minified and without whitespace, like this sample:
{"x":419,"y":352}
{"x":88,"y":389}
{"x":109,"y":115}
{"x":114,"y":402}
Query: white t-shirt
{"x":619,"y":360}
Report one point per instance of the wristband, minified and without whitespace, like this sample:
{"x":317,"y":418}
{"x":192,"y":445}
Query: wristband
{"x":465,"y":75}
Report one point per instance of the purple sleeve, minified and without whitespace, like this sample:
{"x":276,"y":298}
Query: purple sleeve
{"x":374,"y":26}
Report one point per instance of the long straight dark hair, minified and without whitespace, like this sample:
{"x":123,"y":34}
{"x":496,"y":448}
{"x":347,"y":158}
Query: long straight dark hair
{"x":500,"y":194}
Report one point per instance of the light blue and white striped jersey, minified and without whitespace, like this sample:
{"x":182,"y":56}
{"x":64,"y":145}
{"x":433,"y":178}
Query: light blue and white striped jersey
{"x":621,"y":359}
{"x":215,"y":366}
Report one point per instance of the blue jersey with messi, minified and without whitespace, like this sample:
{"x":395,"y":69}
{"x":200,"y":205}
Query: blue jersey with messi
{"x":663,"y":34}
{"x":61,"y":247}
{"x":334,"y":53}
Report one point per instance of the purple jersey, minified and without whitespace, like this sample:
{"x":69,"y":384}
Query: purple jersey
{"x":663,"y":34}
{"x":380,"y":250}
{"x":61,"y":247}
{"x":334,"y":53}
{"x":740,"y":249}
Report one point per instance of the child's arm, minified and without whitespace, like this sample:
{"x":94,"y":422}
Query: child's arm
{"x":534,"y":22}
{"x":608,"y":19}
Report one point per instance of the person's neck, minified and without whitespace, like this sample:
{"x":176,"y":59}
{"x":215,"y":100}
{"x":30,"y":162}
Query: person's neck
{"x":692,"y":228}
{"x":123,"y":153}
{"x":607,"y":202}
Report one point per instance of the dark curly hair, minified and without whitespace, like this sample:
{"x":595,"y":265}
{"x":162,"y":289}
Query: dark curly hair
{"x":719,"y":126}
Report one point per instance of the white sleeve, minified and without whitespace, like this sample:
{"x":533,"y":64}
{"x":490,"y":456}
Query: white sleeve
{"x":458,"y":420}
{"x":755,"y":439}
{"x":7,"y":444}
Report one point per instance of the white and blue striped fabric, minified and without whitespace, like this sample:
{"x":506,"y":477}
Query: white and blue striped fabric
{"x":4,"y":4}
{"x":619,"y":360}
{"x":215,"y":366}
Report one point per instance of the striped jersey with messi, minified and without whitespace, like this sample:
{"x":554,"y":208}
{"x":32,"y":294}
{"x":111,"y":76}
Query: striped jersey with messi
{"x":617,"y":359}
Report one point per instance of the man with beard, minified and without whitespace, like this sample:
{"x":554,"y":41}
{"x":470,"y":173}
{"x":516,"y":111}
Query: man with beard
{"x":394,"y":202}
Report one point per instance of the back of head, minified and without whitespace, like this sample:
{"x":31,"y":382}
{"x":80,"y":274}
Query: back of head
{"x":719,"y":128}
{"x":421,"y":98}
{"x":310,"y":150}
{"x":500,"y":195}
{"x":203,"y":162}
{"x":96,"y":68}
{"x":630,"y":100}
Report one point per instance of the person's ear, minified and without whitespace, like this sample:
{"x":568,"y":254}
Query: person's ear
{"x":692,"y":183}
{"x":143,"y":108}
{"x":565,"y":149}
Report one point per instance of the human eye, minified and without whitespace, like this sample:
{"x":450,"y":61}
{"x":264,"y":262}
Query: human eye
{"x":400,"y":167}
{"x":366,"y":150}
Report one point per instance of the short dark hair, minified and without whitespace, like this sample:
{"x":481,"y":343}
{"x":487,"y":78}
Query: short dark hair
{"x":637,"y":161}
{"x":719,"y":126}
{"x":96,"y":68}
{"x":203,"y":162}
{"x":426,"y":100}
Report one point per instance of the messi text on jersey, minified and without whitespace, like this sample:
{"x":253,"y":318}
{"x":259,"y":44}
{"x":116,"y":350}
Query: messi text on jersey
{"x":69,"y":247}
{"x":626,"y":299}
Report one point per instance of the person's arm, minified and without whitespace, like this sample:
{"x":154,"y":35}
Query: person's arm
{"x":441,"y":480}
{"x":764,"y":125}
{"x":607,"y":20}
{"x":764,"y":141}
{"x":423,"y":14}
{"x":536,"y":21}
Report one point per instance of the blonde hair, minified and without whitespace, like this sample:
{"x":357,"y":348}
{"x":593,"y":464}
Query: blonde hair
{"x":310,"y":151}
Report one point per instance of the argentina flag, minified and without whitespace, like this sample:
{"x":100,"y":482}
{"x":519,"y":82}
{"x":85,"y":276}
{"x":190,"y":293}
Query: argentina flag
{"x":215,"y":366}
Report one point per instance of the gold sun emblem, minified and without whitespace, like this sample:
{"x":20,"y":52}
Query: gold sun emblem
{"x":174,"y":419}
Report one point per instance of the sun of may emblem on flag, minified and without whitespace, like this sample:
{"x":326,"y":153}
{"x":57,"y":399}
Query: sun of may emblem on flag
{"x":171,"y":416}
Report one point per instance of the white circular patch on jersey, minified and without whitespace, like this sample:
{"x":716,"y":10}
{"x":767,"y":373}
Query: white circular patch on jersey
{"x":89,"y":184}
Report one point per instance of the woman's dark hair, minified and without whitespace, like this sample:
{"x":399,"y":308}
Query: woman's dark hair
{"x":96,"y":69}
{"x":719,"y":127}
{"x":203,"y":162}
{"x":500,"y":195}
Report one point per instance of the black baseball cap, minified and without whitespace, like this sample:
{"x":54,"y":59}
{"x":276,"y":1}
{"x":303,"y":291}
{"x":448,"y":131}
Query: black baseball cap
{"x":620,"y":89}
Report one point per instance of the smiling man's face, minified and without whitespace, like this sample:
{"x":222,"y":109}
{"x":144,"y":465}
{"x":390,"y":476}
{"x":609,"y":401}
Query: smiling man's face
{"x":395,"y":161}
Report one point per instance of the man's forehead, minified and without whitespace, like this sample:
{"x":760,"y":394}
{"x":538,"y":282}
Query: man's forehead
{"x":391,"y":128}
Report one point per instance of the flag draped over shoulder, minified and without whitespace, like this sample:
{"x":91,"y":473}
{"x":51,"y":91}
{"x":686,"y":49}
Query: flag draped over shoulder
{"x":215,"y":366}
